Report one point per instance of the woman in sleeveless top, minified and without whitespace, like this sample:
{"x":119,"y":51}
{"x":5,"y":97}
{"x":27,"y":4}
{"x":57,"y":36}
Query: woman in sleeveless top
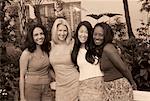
{"x":91,"y":86}
{"x":34,"y":66}
{"x":60,"y":59}
{"x":118,"y":78}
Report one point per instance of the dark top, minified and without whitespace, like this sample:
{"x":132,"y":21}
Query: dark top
{"x":111,"y":63}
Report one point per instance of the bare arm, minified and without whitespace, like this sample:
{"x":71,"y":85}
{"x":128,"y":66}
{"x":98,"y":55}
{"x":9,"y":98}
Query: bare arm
{"x":23,"y":67}
{"x":116,"y":60}
{"x":52,"y":73}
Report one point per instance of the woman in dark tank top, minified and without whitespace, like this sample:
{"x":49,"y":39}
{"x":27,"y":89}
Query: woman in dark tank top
{"x":118,"y":78}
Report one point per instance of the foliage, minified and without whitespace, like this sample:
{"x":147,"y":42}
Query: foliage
{"x":141,"y":69}
{"x":9,"y":74}
{"x":145,"y":5}
{"x":119,"y":28}
{"x":9,"y":66}
{"x":136,"y":53}
{"x":143,"y":30}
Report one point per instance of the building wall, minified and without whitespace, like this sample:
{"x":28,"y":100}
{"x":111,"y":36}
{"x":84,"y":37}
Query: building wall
{"x":71,"y":14}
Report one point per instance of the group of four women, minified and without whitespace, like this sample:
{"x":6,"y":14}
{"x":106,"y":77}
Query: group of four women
{"x":87,"y":67}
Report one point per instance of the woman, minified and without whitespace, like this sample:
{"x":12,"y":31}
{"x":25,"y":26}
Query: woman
{"x":60,"y":59}
{"x":117,"y":77}
{"x":91,"y":86}
{"x":34,"y":66}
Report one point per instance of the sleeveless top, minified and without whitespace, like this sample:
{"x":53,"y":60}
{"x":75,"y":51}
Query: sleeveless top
{"x":38,"y":69}
{"x":87,"y":70}
{"x":109,"y":69}
{"x":60,"y":59}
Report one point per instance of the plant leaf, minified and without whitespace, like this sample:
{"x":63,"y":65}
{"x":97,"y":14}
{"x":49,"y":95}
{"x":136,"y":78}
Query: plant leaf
{"x":143,"y":72}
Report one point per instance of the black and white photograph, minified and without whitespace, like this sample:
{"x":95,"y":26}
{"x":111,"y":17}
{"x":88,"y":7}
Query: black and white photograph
{"x":74,"y":50}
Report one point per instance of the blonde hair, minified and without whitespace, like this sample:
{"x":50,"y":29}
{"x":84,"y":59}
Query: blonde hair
{"x":54,"y":30}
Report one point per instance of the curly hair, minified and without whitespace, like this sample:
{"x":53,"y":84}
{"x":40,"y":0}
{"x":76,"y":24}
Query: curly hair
{"x":30,"y":44}
{"x":108,"y":37}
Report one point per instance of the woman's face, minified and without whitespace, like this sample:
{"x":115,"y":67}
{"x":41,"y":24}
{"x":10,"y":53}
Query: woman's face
{"x":62,"y":32}
{"x":38,"y":36}
{"x":98,"y":35}
{"x":83,"y":34}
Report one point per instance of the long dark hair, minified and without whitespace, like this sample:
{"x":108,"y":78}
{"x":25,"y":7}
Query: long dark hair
{"x":78,"y":43}
{"x":108,"y":37}
{"x":30,"y":44}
